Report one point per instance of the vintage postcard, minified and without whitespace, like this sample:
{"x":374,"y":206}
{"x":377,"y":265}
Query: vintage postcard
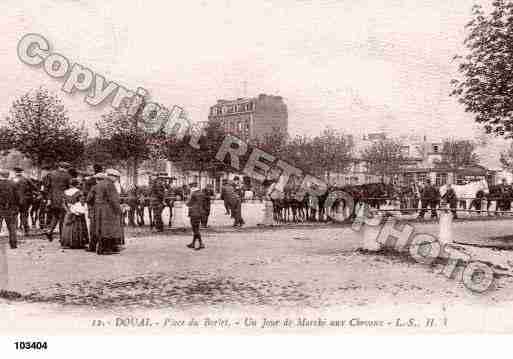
{"x":255,"y":167}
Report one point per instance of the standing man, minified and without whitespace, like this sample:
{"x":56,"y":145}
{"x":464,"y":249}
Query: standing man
{"x":238,"y":187}
{"x":9,"y":202}
{"x":235,"y":201}
{"x":26,"y":191}
{"x":196,"y":206}
{"x":208,"y":192}
{"x":224,"y":196}
{"x":429,"y":197}
{"x":108,"y":232}
{"x":89,"y":193}
{"x":450,"y":197}
{"x":56,"y":183}
{"x":157,"y":197}
{"x":505,"y":202}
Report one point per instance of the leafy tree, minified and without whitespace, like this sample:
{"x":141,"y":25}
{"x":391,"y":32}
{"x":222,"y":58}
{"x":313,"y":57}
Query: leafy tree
{"x":384,"y":157}
{"x":486,"y":83}
{"x":202,"y":159}
{"x":299,"y":152}
{"x":98,"y":150}
{"x":332,"y":153}
{"x":273,"y":143}
{"x":123,"y":136}
{"x":6,"y":140}
{"x":40,"y":129}
{"x":458,"y":153}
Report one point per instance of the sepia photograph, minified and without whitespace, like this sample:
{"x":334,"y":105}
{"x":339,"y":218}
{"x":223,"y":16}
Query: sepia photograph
{"x":248,"y":168}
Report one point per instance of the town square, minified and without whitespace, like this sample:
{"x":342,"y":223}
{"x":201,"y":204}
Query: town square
{"x":256,"y":168}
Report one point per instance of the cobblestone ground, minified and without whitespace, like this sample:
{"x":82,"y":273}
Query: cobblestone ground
{"x":310,"y":267}
{"x":251,"y":270}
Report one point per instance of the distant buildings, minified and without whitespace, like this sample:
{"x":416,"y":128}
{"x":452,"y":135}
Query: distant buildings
{"x":423,"y":162}
{"x":251,"y":118}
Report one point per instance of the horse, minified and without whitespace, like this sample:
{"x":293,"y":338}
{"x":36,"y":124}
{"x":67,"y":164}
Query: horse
{"x":466,"y":193}
{"x":502,"y":196}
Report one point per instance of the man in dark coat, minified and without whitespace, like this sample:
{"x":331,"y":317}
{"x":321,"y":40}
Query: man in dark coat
{"x":88,"y":188}
{"x":239,"y":188}
{"x":208,"y":192}
{"x":450,"y":197}
{"x":107,"y":231}
{"x":504,"y":202}
{"x":26,"y":192}
{"x":196,"y":206}
{"x":224,"y":196}
{"x":429,"y":197}
{"x":56,"y":183}
{"x":234,"y":203}
{"x":91,"y":181}
{"x":9,"y":202}
{"x":157,"y":197}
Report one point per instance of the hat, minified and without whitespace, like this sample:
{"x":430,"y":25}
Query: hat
{"x":112,"y":172}
{"x":97,"y":168}
{"x":17,"y":169}
{"x":64,"y":164}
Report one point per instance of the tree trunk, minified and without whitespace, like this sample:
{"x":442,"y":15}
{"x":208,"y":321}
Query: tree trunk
{"x":135,"y":172}
{"x":38,"y":169}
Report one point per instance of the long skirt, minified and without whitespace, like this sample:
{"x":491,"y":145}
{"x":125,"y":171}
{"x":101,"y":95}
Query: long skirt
{"x":74,"y":231}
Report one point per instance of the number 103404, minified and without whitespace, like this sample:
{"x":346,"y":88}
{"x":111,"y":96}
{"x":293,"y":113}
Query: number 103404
{"x":31,"y":345}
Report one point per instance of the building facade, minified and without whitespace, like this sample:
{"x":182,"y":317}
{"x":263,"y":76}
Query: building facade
{"x":423,"y":162}
{"x":251,"y":118}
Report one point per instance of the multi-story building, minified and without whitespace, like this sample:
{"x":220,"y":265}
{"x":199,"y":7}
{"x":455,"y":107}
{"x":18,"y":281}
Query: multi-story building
{"x":251,"y":118}
{"x":423,"y":160}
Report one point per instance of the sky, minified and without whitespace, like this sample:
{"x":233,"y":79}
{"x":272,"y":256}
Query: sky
{"x":356,"y":66}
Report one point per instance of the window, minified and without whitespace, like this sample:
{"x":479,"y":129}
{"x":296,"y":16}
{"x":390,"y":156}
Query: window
{"x":441,"y":179}
{"x":421,"y":177}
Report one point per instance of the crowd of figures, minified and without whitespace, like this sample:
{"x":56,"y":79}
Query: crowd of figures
{"x":86,"y":210}
{"x":91,"y":210}
{"x":416,"y":198}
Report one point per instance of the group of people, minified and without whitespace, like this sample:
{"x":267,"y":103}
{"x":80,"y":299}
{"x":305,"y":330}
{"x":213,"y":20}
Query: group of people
{"x":86,"y":209}
{"x":430,"y":197}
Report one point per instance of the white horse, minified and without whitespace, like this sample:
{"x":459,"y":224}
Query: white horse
{"x":466,"y":193}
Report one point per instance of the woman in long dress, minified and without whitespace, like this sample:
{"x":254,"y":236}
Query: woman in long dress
{"x":74,"y":232}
